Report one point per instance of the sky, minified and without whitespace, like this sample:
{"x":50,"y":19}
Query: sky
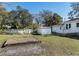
{"x":62,"y":8}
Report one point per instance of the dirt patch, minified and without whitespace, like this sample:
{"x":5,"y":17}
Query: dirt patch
{"x":22,"y":47}
{"x":22,"y":50}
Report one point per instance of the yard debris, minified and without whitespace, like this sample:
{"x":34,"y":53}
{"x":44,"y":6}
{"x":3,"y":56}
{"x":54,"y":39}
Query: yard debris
{"x":21,"y":41}
{"x":2,"y":44}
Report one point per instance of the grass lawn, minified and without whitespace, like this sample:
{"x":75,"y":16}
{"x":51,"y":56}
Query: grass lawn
{"x":57,"y":45}
{"x":54,"y":45}
{"x":3,"y":38}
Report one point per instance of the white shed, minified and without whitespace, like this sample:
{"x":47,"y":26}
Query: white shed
{"x":44,"y":30}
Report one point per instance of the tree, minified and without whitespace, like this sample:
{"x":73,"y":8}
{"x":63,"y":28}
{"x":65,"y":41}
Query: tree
{"x":74,"y":13}
{"x":12,"y":19}
{"x":50,"y":18}
{"x":24,"y":16}
{"x":45,"y":14}
{"x":20,"y":18}
{"x":57,"y":19}
{"x":3,"y":15}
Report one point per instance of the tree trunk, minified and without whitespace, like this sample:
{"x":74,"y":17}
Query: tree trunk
{"x":51,"y":29}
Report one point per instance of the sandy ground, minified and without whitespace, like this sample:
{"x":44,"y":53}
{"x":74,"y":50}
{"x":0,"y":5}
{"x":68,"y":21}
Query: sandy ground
{"x":21,"y":49}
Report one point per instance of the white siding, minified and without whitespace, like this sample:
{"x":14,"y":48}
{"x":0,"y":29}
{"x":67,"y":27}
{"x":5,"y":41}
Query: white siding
{"x":63,"y":30}
{"x":57,"y":29}
{"x":73,"y":28}
{"x":44,"y":30}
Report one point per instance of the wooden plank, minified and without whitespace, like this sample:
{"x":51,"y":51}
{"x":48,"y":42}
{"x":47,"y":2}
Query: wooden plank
{"x":21,"y":41}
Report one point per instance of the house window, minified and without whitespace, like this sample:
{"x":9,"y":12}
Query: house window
{"x":77,"y":24}
{"x":69,"y":25}
{"x":66,"y":26}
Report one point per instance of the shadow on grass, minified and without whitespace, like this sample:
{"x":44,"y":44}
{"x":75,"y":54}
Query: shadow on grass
{"x":73,"y":36}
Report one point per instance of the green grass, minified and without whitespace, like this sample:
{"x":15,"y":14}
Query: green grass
{"x":54,"y":45}
{"x":4,"y":38}
{"x":57,"y":45}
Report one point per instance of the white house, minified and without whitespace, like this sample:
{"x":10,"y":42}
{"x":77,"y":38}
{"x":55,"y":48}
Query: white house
{"x":68,"y":27}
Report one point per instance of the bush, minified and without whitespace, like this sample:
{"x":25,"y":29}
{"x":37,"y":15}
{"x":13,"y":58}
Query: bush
{"x":2,"y":32}
{"x":35,"y":32}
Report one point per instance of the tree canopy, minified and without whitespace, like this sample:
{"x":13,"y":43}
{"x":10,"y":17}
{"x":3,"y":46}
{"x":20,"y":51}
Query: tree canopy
{"x":50,"y":18}
{"x":74,"y":13}
{"x":18,"y":19}
{"x":21,"y":18}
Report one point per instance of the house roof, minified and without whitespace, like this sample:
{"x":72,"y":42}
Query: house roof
{"x":72,"y":19}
